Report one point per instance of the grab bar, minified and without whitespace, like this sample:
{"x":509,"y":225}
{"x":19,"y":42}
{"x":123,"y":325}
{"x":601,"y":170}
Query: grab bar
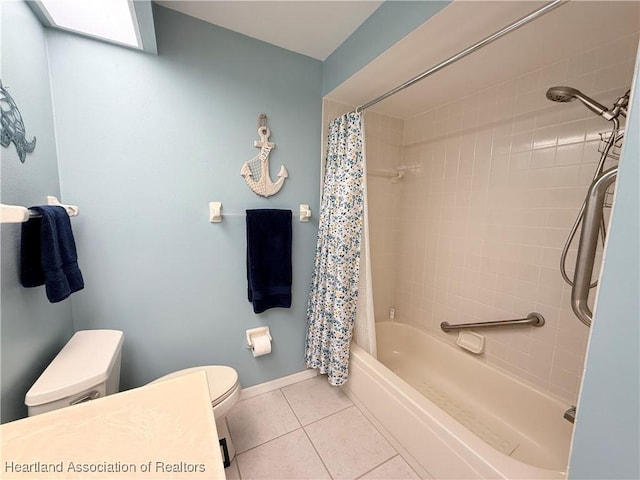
{"x":534,"y":319}
{"x":588,"y":245}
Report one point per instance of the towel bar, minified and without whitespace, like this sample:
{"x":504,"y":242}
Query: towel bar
{"x":19,"y":214}
{"x":215,"y":213}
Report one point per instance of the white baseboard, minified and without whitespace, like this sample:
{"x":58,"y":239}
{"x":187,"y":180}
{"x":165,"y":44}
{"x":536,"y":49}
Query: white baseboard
{"x":277,"y":383}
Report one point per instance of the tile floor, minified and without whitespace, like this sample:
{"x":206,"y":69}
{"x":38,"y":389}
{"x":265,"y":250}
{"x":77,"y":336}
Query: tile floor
{"x":309,"y":430}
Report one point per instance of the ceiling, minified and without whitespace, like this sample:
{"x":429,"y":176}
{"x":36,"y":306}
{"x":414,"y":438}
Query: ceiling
{"x":317,"y":28}
{"x":312,"y":28}
{"x":565,"y":32}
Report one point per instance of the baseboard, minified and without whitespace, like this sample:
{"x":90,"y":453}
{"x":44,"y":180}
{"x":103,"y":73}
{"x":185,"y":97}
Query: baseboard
{"x":277,"y":383}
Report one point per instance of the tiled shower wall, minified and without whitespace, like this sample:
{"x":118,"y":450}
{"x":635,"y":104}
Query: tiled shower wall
{"x":383,"y":140}
{"x":475,"y":230}
{"x":494,"y":183}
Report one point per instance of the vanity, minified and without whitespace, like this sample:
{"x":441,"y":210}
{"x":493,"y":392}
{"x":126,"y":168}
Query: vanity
{"x":161,"y":430}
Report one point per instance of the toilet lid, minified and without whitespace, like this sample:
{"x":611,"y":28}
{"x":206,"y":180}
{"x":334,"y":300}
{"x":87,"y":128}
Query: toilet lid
{"x":85,"y":361}
{"x":222,"y":380}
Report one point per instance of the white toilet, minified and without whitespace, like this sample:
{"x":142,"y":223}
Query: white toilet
{"x":88,"y":367}
{"x":224,"y":391}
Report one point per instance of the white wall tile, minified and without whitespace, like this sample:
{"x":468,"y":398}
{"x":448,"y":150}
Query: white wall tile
{"x":475,"y":230}
{"x":545,"y":137}
{"x":499,"y":177}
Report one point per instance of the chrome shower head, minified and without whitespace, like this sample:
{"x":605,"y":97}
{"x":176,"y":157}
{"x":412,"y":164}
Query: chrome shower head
{"x":568,"y":94}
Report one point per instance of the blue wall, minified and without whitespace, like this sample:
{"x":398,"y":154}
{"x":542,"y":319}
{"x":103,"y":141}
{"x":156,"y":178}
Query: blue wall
{"x":145,"y":143}
{"x":607,"y":432}
{"x":32,"y":329}
{"x":391,"y":22}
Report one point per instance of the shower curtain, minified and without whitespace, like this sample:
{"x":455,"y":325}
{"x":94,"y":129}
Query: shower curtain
{"x":333,"y":299}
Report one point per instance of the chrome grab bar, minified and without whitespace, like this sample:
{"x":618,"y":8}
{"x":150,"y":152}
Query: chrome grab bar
{"x":588,"y":245}
{"x":534,"y":319}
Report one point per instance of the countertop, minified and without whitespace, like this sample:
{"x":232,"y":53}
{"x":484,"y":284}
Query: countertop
{"x":161,"y":431}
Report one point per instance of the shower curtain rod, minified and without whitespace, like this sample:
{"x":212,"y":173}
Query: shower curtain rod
{"x":476,"y":46}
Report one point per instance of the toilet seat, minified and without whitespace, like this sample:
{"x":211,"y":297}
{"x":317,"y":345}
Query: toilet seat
{"x":223,"y":382}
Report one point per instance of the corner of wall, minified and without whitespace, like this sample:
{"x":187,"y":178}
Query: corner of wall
{"x":391,"y":22}
{"x":144,"y":15}
{"x":610,"y":392}
{"x":32,"y":330}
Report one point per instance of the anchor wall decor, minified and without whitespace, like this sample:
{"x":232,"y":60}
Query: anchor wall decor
{"x":256,"y":171}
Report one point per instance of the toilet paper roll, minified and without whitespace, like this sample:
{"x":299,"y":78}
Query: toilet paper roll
{"x":261,"y":345}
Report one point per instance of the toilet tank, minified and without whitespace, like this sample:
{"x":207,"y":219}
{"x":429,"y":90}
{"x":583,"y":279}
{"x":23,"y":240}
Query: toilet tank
{"x":88,"y":367}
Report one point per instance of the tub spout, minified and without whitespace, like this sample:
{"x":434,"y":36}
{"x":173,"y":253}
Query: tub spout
{"x":571,"y":414}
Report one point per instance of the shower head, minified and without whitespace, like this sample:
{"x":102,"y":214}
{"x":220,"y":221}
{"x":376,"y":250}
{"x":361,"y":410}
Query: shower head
{"x":568,"y":94}
{"x":562,"y":94}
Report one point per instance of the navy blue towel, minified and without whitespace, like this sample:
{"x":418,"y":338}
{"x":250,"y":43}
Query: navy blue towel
{"x":48,"y":254}
{"x":269,"y":258}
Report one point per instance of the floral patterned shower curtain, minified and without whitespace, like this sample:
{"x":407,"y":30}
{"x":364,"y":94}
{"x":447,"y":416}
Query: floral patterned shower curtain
{"x":334,"y":284}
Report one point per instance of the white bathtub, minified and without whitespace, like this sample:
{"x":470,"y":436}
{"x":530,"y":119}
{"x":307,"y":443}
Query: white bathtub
{"x":478,"y":422}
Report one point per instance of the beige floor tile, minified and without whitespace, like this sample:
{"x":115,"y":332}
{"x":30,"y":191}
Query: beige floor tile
{"x":231,"y":472}
{"x":394,"y":469}
{"x":288,"y":457}
{"x":257,"y":420}
{"x":315,"y":398}
{"x":348,"y":444}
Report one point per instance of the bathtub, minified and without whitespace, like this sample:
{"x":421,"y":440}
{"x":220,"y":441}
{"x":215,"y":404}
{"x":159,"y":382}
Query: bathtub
{"x":454,"y":416}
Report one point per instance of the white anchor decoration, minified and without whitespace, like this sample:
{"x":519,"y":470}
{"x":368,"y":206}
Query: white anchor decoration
{"x":262,"y":185}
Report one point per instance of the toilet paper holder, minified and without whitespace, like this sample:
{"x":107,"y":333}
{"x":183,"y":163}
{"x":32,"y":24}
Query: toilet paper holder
{"x":256,"y":332}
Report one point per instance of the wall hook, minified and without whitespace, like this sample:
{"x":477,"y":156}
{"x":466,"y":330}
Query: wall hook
{"x":305,"y":212}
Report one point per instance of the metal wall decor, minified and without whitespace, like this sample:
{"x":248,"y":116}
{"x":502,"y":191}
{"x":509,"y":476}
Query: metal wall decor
{"x":256,"y":171}
{"x":12,"y":126}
